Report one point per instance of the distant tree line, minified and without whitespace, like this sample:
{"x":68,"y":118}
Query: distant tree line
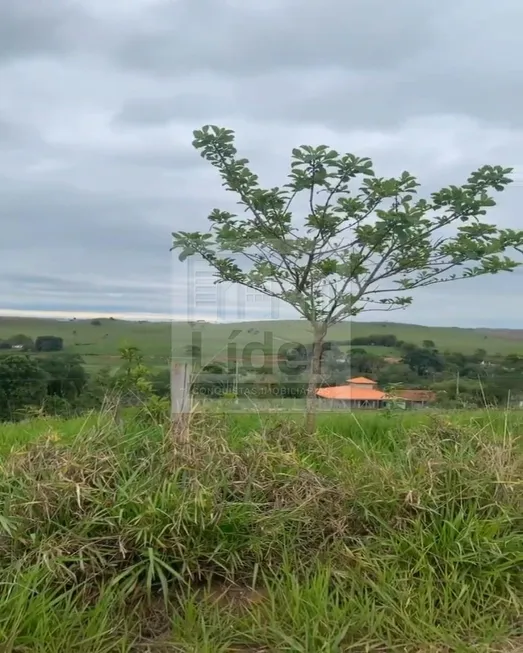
{"x":50,"y":384}
{"x":473,"y":379}
{"x":22,"y":342}
{"x":44,"y":378}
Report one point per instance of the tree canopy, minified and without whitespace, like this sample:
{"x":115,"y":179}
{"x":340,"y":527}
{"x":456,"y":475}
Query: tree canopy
{"x":336,"y":239}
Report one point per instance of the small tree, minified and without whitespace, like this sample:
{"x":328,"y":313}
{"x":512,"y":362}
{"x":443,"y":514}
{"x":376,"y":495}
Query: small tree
{"x":66,"y":376}
{"x":134,"y":376}
{"x":423,"y":361}
{"x":134,"y":380}
{"x":49,"y":343}
{"x":362,"y":242}
{"x":22,"y":385}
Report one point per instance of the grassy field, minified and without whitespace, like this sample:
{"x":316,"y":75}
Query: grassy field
{"x":382,"y":532}
{"x":99,"y":344}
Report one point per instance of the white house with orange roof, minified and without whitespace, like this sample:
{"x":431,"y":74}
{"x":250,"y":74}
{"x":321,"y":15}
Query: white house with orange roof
{"x":361,"y":392}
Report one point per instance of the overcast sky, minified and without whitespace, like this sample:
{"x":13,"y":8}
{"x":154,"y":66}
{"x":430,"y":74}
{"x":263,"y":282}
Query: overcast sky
{"x":98,"y":100}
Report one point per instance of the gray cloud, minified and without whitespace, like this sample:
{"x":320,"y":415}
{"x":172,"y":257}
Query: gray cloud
{"x":358,"y":63}
{"x":249,"y":39}
{"x":99,"y":101}
{"x":41,"y":27}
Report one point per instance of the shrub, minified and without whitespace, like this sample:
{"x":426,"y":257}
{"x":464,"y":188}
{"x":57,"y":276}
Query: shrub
{"x":49,"y":343}
{"x":21,"y":340}
{"x":22,"y":385}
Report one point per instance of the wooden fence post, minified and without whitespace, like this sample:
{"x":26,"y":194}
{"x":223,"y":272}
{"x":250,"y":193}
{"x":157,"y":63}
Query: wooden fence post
{"x":181,"y":403}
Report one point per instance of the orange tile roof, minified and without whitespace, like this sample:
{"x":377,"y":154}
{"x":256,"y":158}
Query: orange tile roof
{"x":361,"y":380}
{"x":350,"y":392}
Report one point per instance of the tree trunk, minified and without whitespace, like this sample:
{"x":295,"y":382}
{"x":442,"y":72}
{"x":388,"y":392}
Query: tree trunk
{"x":314,"y":378}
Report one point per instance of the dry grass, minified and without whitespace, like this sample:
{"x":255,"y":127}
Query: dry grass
{"x":262,"y":540}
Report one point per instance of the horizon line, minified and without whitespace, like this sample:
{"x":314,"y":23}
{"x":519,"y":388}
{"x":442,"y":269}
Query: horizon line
{"x":166,"y":317}
{"x":126,"y":316}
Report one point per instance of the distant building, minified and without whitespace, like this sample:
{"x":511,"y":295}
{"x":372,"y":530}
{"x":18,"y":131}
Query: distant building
{"x":361,"y":392}
{"x":417,"y":398}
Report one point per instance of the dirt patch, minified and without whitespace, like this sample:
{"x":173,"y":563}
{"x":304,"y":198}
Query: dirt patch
{"x":156,"y":618}
{"x":234,"y":596}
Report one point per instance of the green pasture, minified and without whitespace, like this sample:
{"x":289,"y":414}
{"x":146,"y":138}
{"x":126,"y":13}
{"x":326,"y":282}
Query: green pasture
{"x":99,"y":344}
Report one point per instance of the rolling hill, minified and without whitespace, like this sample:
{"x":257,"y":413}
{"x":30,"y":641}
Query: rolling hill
{"x":98,"y":341}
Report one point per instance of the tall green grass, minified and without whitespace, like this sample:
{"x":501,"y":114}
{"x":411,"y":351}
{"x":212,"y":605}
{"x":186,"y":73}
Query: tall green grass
{"x":380,"y":532}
